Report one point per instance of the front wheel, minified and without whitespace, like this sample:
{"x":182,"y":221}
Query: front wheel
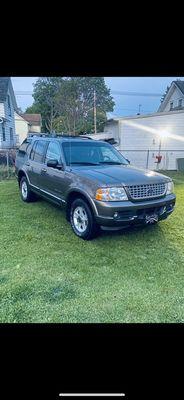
{"x":82,"y":220}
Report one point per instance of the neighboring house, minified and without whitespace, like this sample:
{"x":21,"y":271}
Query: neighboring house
{"x":8,"y":105}
{"x":174,"y":99}
{"x":21,"y":127}
{"x":35,"y":122}
{"x":140,"y":133}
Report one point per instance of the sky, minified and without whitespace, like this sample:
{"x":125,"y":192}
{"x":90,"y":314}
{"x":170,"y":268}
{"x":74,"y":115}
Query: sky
{"x":126,"y":105}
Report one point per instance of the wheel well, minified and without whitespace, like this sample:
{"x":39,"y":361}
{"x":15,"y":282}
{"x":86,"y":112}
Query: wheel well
{"x":72,"y":196}
{"x":20,"y":175}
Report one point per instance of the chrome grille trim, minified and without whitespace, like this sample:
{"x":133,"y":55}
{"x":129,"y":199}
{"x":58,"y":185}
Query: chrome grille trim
{"x":147,"y":191}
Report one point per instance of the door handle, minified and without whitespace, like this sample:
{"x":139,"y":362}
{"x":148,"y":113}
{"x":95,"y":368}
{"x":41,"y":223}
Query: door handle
{"x":44,"y":170}
{"x":27,"y":163}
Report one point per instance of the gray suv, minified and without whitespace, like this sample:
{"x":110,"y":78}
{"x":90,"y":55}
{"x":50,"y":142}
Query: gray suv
{"x":93,"y":181}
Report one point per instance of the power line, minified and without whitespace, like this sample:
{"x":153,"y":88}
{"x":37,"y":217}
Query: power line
{"x":22,"y":93}
{"x":115,"y":92}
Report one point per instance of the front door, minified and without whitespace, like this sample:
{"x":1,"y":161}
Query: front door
{"x":53,"y":178}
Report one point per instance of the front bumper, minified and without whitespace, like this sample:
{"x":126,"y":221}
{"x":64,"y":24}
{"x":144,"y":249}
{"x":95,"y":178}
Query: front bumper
{"x":114,"y":214}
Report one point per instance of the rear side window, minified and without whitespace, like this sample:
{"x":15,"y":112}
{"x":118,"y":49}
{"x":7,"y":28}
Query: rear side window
{"x":24,"y":147}
{"x":38,"y":150}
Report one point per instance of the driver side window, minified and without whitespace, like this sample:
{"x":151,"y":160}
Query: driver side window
{"x":53,"y":152}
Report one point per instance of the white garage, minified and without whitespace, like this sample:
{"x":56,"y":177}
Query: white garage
{"x":147,"y":139}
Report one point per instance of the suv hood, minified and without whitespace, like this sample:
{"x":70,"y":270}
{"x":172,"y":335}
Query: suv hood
{"x":120,"y":175}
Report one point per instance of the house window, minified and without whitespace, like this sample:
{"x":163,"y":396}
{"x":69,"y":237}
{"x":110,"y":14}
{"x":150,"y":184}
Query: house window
{"x":171,"y":105}
{"x":4,"y":134}
{"x":180,"y":103}
{"x":11,"y":134}
{"x":9,"y":106}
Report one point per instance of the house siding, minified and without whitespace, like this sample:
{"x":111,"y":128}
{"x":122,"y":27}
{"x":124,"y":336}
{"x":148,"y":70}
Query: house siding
{"x":10,"y":123}
{"x":113,"y":129}
{"x":35,"y":128}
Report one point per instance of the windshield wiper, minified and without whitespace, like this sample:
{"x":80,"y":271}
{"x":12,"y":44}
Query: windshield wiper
{"x":111,"y":162}
{"x":84,"y":163}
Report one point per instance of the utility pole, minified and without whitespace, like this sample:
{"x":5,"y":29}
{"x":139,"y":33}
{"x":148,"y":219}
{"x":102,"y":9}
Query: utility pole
{"x":95,"y":111}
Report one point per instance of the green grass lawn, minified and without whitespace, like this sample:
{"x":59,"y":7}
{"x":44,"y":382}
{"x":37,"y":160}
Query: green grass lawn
{"x":47,"y":274}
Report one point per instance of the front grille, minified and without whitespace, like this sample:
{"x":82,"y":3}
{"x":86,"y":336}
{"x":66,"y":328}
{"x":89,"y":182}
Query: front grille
{"x":147,"y":191}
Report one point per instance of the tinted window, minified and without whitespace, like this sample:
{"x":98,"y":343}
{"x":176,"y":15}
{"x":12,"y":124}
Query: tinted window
{"x":38,"y":150}
{"x":53,"y":152}
{"x":24,"y":146}
{"x":24,"y":149}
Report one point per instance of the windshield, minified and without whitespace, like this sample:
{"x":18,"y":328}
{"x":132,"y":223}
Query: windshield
{"x":92,"y":153}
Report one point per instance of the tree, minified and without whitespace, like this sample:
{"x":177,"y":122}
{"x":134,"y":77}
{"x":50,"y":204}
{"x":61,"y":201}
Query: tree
{"x":45,"y":90}
{"x":75,"y":103}
{"x":66,"y":104}
{"x":164,"y":95}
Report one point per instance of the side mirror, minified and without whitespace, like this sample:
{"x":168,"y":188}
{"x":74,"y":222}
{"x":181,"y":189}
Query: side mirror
{"x":52,"y":163}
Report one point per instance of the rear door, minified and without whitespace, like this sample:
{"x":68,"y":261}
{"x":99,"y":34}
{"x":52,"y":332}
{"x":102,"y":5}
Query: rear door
{"x":36,"y":160}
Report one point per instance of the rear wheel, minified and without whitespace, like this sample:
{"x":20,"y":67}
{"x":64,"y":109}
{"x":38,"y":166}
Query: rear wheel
{"x":82,"y":220}
{"x":26,"y":194}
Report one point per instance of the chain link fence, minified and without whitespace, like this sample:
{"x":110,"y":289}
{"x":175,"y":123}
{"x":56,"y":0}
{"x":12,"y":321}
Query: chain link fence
{"x":156,"y":159}
{"x":7,"y":163}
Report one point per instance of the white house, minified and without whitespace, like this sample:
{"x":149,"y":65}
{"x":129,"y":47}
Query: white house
{"x":21,"y":127}
{"x":26,"y":124}
{"x":8,"y":105}
{"x":142,"y":138}
{"x":35,"y":122}
{"x":174,"y":99}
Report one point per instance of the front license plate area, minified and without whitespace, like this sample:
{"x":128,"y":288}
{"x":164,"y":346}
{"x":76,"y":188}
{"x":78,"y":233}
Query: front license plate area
{"x":151,"y":219}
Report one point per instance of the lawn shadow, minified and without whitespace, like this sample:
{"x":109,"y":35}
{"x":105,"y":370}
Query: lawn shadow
{"x":60,"y":292}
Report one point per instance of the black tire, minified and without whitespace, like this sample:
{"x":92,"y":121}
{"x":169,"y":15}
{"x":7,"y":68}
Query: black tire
{"x":92,"y":228}
{"x":26,"y":194}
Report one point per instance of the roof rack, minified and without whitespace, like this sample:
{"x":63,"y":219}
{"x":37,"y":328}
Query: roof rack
{"x":58,"y":136}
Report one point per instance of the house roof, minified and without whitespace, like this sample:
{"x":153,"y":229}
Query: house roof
{"x":155,"y":114}
{"x":5,"y":84}
{"x":174,"y":84}
{"x":34,"y":119}
{"x":180,"y":85}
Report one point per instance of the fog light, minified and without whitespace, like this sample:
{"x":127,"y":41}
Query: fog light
{"x":116,"y":215}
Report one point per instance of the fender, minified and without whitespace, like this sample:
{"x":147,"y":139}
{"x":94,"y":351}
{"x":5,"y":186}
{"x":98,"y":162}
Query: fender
{"x":91,"y":201}
{"x":25,"y":173}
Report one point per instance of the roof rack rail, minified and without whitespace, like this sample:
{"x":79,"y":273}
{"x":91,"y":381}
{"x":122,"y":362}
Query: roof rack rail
{"x":58,"y":135}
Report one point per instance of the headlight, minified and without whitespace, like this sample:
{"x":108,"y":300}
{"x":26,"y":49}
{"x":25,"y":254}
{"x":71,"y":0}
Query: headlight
{"x":111,"y":194}
{"x":170,"y":187}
